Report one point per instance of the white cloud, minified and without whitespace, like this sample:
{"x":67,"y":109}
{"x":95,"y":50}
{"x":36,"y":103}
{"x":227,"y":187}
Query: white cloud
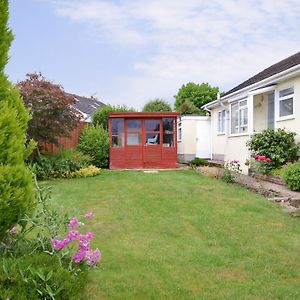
{"x":217,"y":41}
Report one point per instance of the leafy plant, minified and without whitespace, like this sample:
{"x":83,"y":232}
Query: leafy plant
{"x":262,"y":164}
{"x":86,"y":172}
{"x":278,"y":145}
{"x":59,"y":165}
{"x":197,"y":161}
{"x":94,"y":141}
{"x":231,"y":170}
{"x":292,"y":176}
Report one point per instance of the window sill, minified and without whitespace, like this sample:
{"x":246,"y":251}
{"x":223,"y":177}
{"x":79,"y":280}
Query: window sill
{"x":238,"y":134}
{"x":220,"y":133}
{"x":291,"y":117}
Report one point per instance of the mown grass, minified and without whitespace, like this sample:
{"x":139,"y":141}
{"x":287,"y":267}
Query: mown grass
{"x":180,"y":235}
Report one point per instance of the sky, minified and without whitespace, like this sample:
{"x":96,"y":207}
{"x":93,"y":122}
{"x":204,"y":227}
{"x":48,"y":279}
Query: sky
{"x":131,"y":51}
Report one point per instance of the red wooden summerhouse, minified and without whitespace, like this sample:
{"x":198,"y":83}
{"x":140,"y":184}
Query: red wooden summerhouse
{"x":143,"y":140}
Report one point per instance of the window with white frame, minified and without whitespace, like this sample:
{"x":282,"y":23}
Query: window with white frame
{"x":286,"y":102}
{"x":239,"y":117}
{"x":221,"y":121}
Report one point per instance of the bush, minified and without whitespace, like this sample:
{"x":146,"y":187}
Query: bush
{"x":196,"y":162}
{"x":94,"y":141}
{"x":16,"y":190}
{"x":278,"y":145}
{"x":86,"y":172}
{"x":292,"y":176}
{"x":40,"y":276}
{"x":59,"y":165}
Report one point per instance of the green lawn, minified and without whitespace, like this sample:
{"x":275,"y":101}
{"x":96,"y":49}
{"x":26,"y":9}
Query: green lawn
{"x":180,"y":235}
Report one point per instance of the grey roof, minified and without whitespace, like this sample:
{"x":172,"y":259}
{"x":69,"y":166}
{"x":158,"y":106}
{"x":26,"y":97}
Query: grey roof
{"x":87,"y":105}
{"x":281,"y":66}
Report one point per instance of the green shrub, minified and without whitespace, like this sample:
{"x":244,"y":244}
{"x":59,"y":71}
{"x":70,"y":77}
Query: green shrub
{"x":16,"y":190}
{"x":40,"y":276}
{"x":59,"y":165}
{"x":292,"y":176}
{"x":231,"y":170}
{"x":86,"y":172}
{"x":157,"y":105}
{"x":279,"y":145}
{"x":94,"y":141}
{"x":196,"y":162}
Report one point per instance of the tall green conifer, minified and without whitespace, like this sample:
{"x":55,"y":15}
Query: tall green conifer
{"x":16,"y":189}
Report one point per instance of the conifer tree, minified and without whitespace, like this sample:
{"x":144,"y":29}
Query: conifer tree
{"x":16,"y":189}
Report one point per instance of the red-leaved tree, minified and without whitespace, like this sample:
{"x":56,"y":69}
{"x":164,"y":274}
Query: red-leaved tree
{"x":53,"y":115}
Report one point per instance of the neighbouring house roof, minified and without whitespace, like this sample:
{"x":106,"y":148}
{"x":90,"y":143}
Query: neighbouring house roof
{"x":86,"y":106}
{"x":281,"y":66}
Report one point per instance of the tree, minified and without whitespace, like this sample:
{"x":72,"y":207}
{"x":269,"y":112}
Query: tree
{"x":188,"y":107}
{"x":100,"y":116}
{"x":52,"y":113}
{"x":16,"y":190}
{"x":198,"y":94}
{"x":157,"y":105}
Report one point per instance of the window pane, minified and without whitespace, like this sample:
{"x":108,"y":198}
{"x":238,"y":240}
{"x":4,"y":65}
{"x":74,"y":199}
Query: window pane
{"x":244,"y":117}
{"x":168,"y":125}
{"x":117,"y":132}
{"x":133,"y":139}
{"x":134,"y":125}
{"x":243,"y":103}
{"x":286,"y":107}
{"x":235,"y":118}
{"x":152,"y":139}
{"x":152,"y":125}
{"x":117,"y":125}
{"x":168,"y":140}
{"x":286,"y":92}
{"x":221,"y":121}
{"x":118,"y":140}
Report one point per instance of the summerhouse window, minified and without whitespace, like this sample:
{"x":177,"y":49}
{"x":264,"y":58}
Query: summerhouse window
{"x":134,"y":132}
{"x":168,"y":132}
{"x":152,"y":128}
{"x":239,"y":117}
{"x":117,"y":132}
{"x":286,"y":102}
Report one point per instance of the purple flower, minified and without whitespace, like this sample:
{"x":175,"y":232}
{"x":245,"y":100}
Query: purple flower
{"x":79,"y":256}
{"x":93,"y":256}
{"x":73,"y":222}
{"x":13,"y":230}
{"x":72,"y":235}
{"x":88,"y":215}
{"x":59,"y":244}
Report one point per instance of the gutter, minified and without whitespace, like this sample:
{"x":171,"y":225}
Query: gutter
{"x":270,"y":80}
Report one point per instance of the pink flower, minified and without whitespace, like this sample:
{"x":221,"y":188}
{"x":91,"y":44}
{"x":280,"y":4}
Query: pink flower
{"x":73,"y":222}
{"x":79,"y":256}
{"x":13,"y":230}
{"x":59,"y":244}
{"x":269,"y":160}
{"x":88,"y":215}
{"x":72,"y":235}
{"x":93,"y":256}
